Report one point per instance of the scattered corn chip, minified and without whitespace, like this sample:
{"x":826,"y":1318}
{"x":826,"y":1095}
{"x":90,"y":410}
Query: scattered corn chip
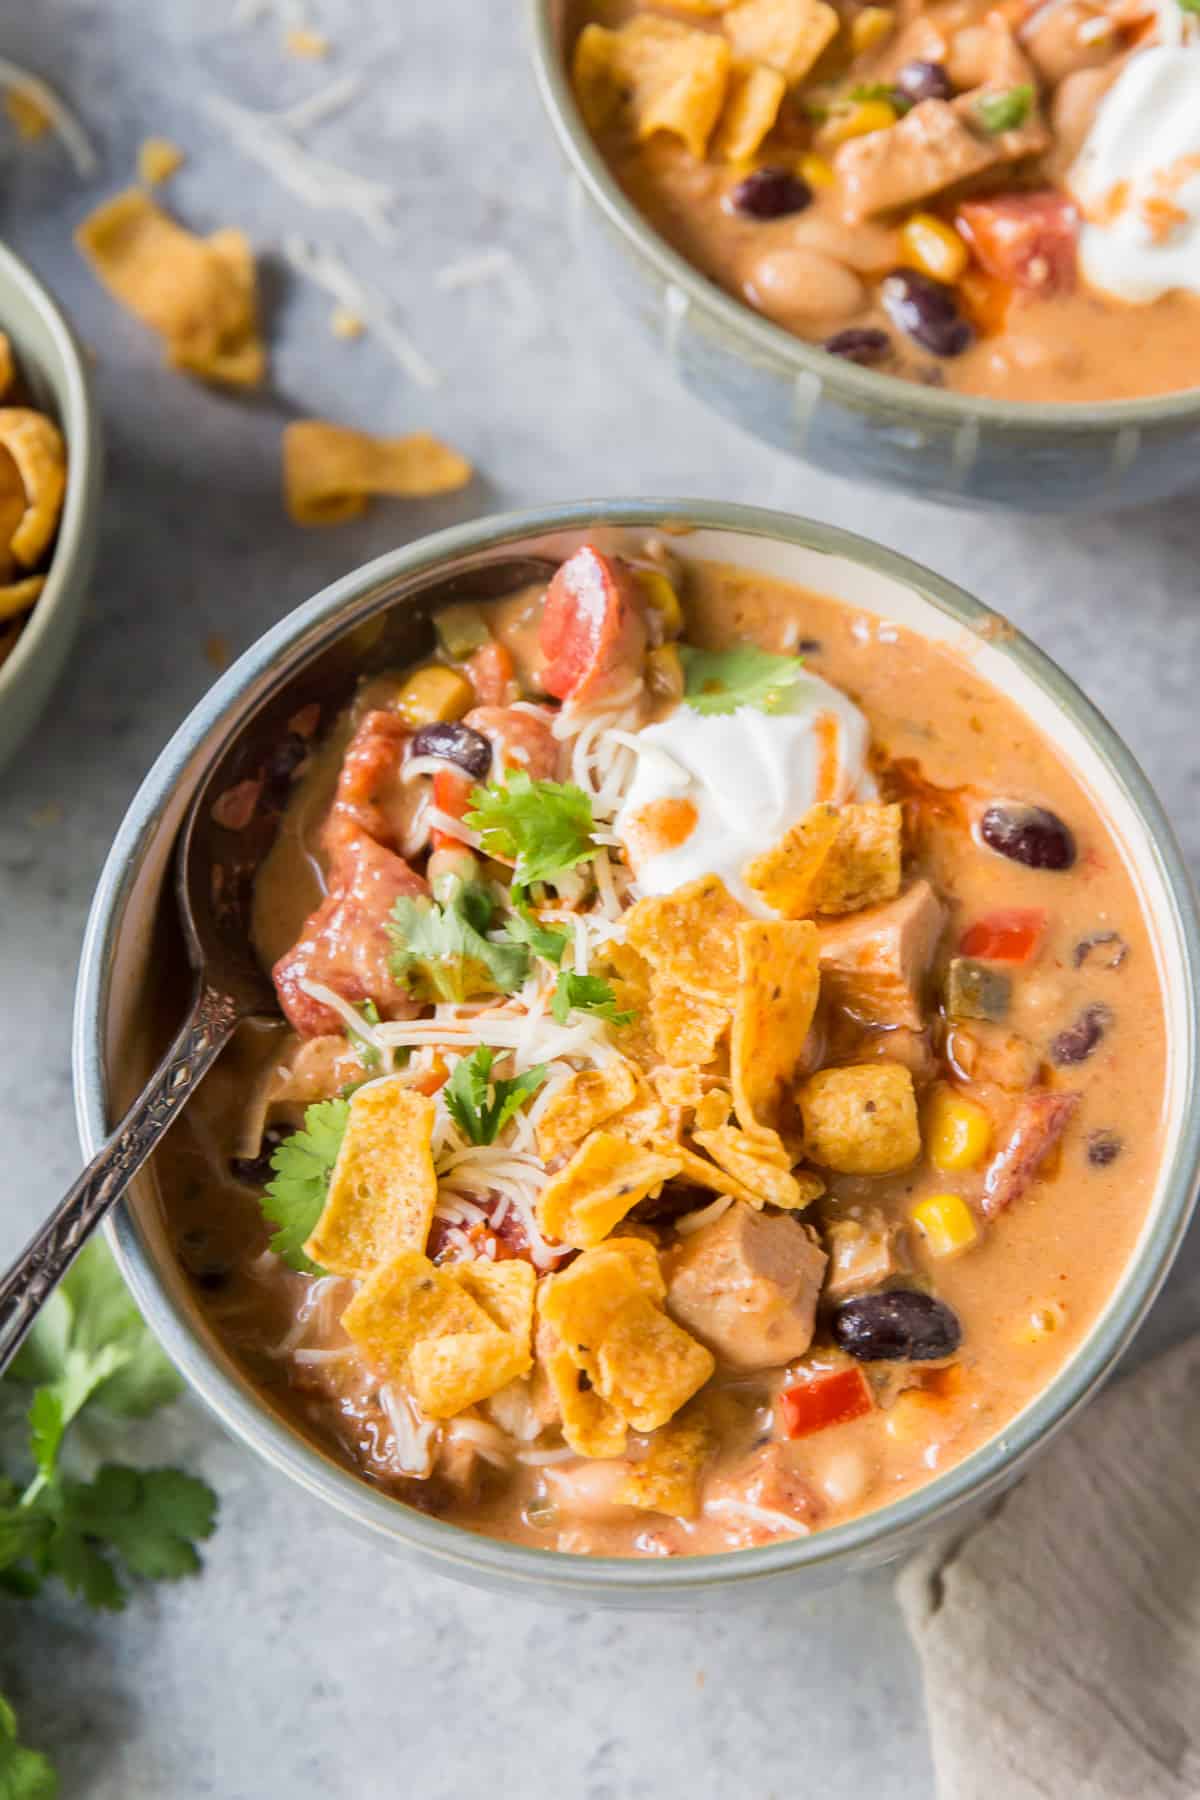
{"x":861,"y":1120}
{"x":836,"y":860}
{"x":158,"y":159}
{"x":630,"y":982}
{"x":307,"y":44}
{"x":657,"y":73}
{"x":648,"y":1366}
{"x":641,"y":1253}
{"x":590,"y":1425}
{"x":713,"y":1110}
{"x":788,"y":35}
{"x":19,"y":596}
{"x":776,"y":1000}
{"x":667,"y":1479}
{"x":505,"y":1290}
{"x":579,"y":1303}
{"x":26,"y":114}
{"x":688,"y":937}
{"x":644,"y":1119}
{"x":346,"y":324}
{"x":35,"y":445}
{"x":687,"y":1029}
{"x":768,"y":1180}
{"x":786,"y":875}
{"x":403,"y":1302}
{"x":751,"y":106}
{"x":329,"y":470}
{"x":603,"y":1181}
{"x":383,"y":1188}
{"x":679,"y":1087}
{"x":452,"y":1372}
{"x":585,"y":1100}
{"x":197,"y":294}
{"x":700,"y":1172}
{"x":8,"y":368}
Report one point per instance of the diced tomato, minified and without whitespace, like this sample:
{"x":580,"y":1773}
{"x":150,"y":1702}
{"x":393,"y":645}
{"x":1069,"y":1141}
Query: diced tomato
{"x":1010,"y":935}
{"x":824,"y":1400}
{"x":593,"y":633}
{"x":1027,"y":239}
{"x":492,"y":673}
{"x":451,"y":794}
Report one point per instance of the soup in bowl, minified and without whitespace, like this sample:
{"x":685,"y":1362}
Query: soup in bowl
{"x":726,"y":1106}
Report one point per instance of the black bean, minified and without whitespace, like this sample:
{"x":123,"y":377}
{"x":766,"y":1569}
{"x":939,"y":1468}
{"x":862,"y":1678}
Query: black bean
{"x":809,"y":647}
{"x":279,"y":769}
{"x":1104,"y":1147}
{"x":926,"y":311}
{"x":898,"y":1325}
{"x":1030,"y":835}
{"x":1076,"y":1043}
{"x":1106,"y":949}
{"x":919,"y":81}
{"x":862,"y":344}
{"x":205,"y":1264}
{"x":770,"y":194}
{"x":255,"y":1171}
{"x":454,"y":743}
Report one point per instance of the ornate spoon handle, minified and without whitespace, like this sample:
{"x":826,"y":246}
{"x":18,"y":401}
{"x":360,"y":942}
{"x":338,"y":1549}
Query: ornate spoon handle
{"x":49,"y":1254}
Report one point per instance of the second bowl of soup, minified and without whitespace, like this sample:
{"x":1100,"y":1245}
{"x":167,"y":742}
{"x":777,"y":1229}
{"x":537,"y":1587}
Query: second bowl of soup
{"x":726,"y":1105}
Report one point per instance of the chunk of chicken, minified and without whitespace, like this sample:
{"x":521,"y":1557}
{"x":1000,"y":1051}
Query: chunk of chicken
{"x":931,"y":148}
{"x":345,"y":943}
{"x":874,"y":963}
{"x":747,"y":1287}
{"x":862,"y":1254}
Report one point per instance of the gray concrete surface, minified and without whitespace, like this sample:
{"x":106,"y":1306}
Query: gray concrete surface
{"x":299,"y":1664}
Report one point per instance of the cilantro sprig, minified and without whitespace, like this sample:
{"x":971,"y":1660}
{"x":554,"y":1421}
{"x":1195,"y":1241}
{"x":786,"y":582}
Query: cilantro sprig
{"x":301,"y":1167}
{"x":543,"y":828}
{"x":440,"y":952}
{"x":480,"y":1106}
{"x":24,"y":1774}
{"x":586,"y":993}
{"x":1005,"y":111}
{"x":546,"y":941}
{"x":719,"y":681}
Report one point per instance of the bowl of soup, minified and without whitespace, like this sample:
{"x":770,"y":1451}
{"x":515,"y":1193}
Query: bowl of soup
{"x":953,"y":249}
{"x":732,"y":1096}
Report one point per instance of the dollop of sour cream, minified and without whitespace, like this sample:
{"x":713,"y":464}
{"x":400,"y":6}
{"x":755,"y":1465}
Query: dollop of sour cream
{"x":712,"y":791}
{"x":1137,"y":179}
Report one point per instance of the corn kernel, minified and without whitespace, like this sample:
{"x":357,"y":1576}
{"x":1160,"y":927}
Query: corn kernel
{"x":958,"y":1132}
{"x":872,"y":25}
{"x":662,"y":600}
{"x":857,"y":119}
{"x":664,"y":673}
{"x":434,"y":694}
{"x":929,"y":244}
{"x":946,"y":1223}
{"x":816,"y":170}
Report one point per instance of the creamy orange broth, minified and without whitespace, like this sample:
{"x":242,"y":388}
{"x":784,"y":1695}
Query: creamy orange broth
{"x":1058,"y":341}
{"x":1026,"y":1294}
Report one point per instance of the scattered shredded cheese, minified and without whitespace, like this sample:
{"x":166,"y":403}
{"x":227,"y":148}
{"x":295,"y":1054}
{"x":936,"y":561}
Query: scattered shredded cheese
{"x":759,"y":1515}
{"x":412,"y":1436}
{"x":706,"y":1215}
{"x":331,"y":272}
{"x":351,"y":1019}
{"x":66,"y":125}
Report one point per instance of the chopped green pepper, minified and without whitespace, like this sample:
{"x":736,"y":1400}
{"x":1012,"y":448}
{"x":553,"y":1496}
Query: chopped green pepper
{"x":460,"y":631}
{"x":975,"y":991}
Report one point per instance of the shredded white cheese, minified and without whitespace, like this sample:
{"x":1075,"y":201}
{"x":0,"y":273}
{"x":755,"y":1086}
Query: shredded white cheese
{"x":758,"y":1515}
{"x":413,"y":1437}
{"x":331,"y":272}
{"x":351,"y":1019}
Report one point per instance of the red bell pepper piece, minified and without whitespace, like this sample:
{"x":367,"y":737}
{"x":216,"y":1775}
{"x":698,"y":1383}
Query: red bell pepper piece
{"x":592,"y":632}
{"x":1027,"y":239}
{"x":451,"y":794}
{"x":823,"y":1400}
{"x":1010,"y":935}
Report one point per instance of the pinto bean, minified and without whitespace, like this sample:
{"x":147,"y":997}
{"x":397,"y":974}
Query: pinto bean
{"x":1058,"y":43}
{"x":803,"y":289}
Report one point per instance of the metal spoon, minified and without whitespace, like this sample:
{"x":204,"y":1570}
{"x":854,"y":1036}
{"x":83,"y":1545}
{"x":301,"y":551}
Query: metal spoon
{"x":213,"y":885}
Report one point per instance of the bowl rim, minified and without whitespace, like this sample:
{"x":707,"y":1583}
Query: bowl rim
{"x":371,"y":588}
{"x":79,"y":422}
{"x":869,"y":388}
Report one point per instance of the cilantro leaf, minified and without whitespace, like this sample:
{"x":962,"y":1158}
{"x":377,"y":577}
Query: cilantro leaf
{"x":481,"y":1107}
{"x":524,"y":927}
{"x":440,"y":952}
{"x":586,"y":993}
{"x":302,"y":1165}
{"x":24,"y":1774}
{"x":719,"y":681}
{"x":151,"y":1518}
{"x":1189,"y":6}
{"x":542,"y":827}
{"x":368,"y":1055}
{"x":1004,"y":112}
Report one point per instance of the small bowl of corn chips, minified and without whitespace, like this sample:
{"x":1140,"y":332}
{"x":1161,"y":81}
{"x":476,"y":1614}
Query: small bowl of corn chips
{"x":50,"y":482}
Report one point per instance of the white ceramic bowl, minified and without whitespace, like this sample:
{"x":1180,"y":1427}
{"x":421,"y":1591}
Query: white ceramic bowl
{"x":131,"y":958}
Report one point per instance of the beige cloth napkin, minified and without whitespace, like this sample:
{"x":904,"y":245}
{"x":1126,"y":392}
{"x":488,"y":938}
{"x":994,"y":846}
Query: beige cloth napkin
{"x":1060,"y":1639}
